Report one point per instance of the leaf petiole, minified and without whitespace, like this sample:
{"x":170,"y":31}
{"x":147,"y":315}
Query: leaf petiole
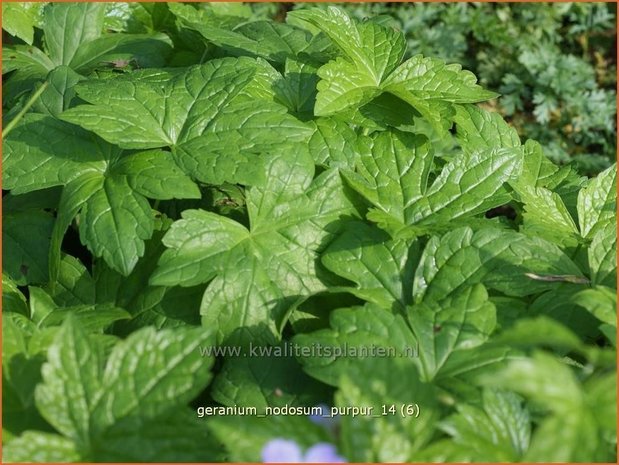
{"x":29,"y":103}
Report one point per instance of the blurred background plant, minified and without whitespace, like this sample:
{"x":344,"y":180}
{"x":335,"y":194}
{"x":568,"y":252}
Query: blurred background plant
{"x":553,"y":63}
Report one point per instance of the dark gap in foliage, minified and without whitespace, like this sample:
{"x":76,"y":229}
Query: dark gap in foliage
{"x":506,"y":211}
{"x":72,"y":245}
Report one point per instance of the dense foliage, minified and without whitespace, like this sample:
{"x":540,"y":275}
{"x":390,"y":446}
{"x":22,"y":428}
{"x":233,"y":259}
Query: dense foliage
{"x":554,"y":65}
{"x":181,"y":178}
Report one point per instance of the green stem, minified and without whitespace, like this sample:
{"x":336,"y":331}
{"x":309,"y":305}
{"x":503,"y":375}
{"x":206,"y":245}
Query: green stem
{"x":204,"y":54}
{"x":29,"y":103}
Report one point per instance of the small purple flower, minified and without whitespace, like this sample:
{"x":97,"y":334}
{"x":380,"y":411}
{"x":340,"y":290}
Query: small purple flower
{"x":281,"y":451}
{"x":287,"y":451}
{"x":324,"y":419}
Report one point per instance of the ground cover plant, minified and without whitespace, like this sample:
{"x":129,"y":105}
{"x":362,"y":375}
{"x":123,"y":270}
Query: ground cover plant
{"x":554,"y":65}
{"x":206,"y":210}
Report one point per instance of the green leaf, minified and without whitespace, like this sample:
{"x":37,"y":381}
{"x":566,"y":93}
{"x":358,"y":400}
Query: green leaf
{"x":368,"y":66}
{"x":553,"y":386}
{"x":480,"y":129}
{"x":375,"y":50}
{"x":83,"y":51}
{"x":18,"y":329}
{"x":150,"y":372}
{"x":83,"y":399}
{"x":472,"y":365}
{"x":140,"y":114}
{"x":240,"y":144}
{"x":597,"y":202}
{"x":369,"y":53}
{"x":92,"y":318}
{"x":543,"y":379}
{"x":545,"y":215}
{"x":74,"y":285}
{"x":41,"y":304}
{"x":20,"y":19}
{"x":39,"y":447}
{"x":602,"y":254}
{"x":60,"y":92}
{"x":601,"y":395}
{"x":565,"y":439}
{"x":164,"y":308}
{"x":460,"y":322}
{"x":252,"y":286}
{"x":333,"y":144}
{"x":244,"y":436}
{"x":28,"y":62}
{"x":208,"y":237}
{"x":16,"y":355}
{"x":342,"y":87}
{"x":145,"y":50}
{"x":26,"y":244}
{"x":539,"y":331}
{"x":377,"y":437}
{"x":396,"y":182}
{"x":424,"y":78}
{"x":217,"y":15}
{"x":43,"y":199}
{"x":601,"y":302}
{"x":539,"y":171}
{"x":381,"y":268}
{"x":74,"y":196}
{"x":228,"y":10}
{"x":115,"y":223}
{"x":219,"y":109}
{"x":461,"y":190}
{"x":393,"y":171}
{"x":21,"y":372}
{"x":42,"y":152}
{"x":177,"y":437}
{"x":353,"y":332}
{"x":67,"y":26}
{"x":164,"y":114}
{"x":558,"y":303}
{"x":384,"y":112}
{"x":155,"y":175}
{"x":266,"y":381}
{"x":297,"y":91}
{"x":149,"y":305}
{"x":107,"y":187}
{"x":152,"y":16}
{"x":19,"y":413}
{"x":71,"y":377}
{"x":30,"y":67}
{"x":270,"y":40}
{"x":496,"y":258}
{"x":498,"y":431}
{"x":12,"y":298}
{"x":185,"y":181}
